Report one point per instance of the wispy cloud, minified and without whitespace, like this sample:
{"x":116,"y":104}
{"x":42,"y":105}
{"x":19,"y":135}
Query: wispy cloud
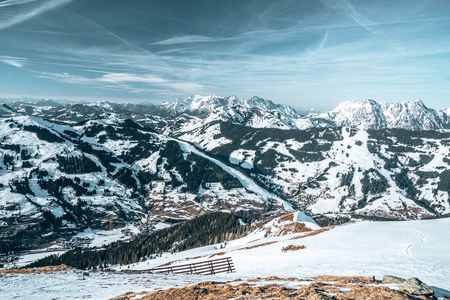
{"x":14,"y":12}
{"x":358,"y":18}
{"x":187,"y":39}
{"x":324,"y":40}
{"x":17,"y":62}
{"x":365,"y":23}
{"x":7,"y":3}
{"x":124,"y":77}
{"x":126,"y":81}
{"x":290,"y":49}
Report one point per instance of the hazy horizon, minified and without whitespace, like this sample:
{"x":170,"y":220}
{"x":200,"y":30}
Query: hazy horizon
{"x":307,"y":54}
{"x":301,"y":110}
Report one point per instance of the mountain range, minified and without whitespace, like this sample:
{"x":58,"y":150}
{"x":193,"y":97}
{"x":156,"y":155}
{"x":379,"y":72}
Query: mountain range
{"x":254,"y":112}
{"x":70,"y":169}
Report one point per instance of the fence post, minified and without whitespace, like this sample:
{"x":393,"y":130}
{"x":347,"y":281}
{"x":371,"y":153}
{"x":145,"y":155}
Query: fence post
{"x":229,"y":265}
{"x":211,"y":267}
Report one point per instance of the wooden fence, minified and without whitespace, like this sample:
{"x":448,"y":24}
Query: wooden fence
{"x":209,"y":267}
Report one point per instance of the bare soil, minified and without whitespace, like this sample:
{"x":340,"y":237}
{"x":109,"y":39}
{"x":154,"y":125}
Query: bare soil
{"x":292,"y":248}
{"x":259,"y":245}
{"x":315,"y":232}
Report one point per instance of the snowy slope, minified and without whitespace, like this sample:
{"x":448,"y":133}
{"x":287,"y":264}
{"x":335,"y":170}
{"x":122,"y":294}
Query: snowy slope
{"x":198,"y":111}
{"x":405,"y":249}
{"x":109,"y":179}
{"x":387,"y":173}
{"x":194,"y":113}
{"x":259,"y":113}
{"x":119,"y":173}
{"x":411,"y":115}
{"x":368,"y":114}
{"x":203,"y":105}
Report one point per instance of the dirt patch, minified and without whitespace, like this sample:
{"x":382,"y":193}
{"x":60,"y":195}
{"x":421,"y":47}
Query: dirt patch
{"x":196,"y":257}
{"x":293,"y":228}
{"x":292,"y":248}
{"x":256,"y":246}
{"x":280,"y":228}
{"x":315,"y":232}
{"x":316,"y":290}
{"x":217,"y":254}
{"x":287,"y":217}
{"x":48,"y":269}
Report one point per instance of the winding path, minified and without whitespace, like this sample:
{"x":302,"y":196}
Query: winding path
{"x":423,"y":238}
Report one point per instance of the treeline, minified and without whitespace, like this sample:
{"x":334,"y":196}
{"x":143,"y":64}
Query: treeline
{"x":44,"y":134}
{"x":193,"y":169}
{"x":324,"y":221}
{"x":205,"y":230}
{"x":77,"y":165}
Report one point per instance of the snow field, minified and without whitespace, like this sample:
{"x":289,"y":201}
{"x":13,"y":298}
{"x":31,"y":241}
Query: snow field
{"x":403,"y":248}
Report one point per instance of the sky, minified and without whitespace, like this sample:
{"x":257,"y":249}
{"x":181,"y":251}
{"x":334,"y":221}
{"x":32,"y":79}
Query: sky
{"x":304,"y":53}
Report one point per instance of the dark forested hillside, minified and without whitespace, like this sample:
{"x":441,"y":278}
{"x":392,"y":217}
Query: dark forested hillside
{"x":388,"y":173}
{"x":99,"y":170}
{"x":201,"y":231}
{"x":59,"y":180}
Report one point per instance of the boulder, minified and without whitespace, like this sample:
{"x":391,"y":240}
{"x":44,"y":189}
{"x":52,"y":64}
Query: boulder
{"x":388,"y":279}
{"x":416,"y":287}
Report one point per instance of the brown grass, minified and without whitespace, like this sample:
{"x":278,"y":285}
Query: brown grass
{"x":287,"y":217}
{"x":315,"y":232}
{"x":293,"y":228}
{"x":316,"y":290}
{"x":217,"y":254}
{"x":254,"y":241}
{"x":346,"y":279}
{"x":292,"y":248}
{"x":196,"y":257}
{"x":48,"y":269}
{"x":256,"y":246}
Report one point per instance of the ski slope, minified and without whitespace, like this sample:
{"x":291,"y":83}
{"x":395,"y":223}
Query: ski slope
{"x":403,"y":248}
{"x":245,"y":180}
{"x":406,"y":249}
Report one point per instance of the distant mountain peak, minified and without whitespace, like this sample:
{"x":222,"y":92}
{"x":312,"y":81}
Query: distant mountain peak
{"x":254,"y":112}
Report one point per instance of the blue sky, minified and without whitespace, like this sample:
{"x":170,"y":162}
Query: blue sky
{"x":302,"y":53}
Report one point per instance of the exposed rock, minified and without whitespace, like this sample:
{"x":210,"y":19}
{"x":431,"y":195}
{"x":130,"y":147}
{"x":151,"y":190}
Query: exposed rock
{"x":388,"y":279}
{"x":416,"y":287}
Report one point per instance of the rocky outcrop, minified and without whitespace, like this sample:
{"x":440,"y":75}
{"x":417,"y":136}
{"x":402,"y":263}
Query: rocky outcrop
{"x":416,"y":287}
{"x":388,"y":279}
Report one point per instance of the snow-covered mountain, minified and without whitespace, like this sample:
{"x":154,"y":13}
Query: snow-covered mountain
{"x":203,"y":105}
{"x":193,"y":114}
{"x":368,"y":114}
{"x":58,"y":180}
{"x":104,"y":165}
{"x":196,"y":111}
{"x":393,"y":173}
